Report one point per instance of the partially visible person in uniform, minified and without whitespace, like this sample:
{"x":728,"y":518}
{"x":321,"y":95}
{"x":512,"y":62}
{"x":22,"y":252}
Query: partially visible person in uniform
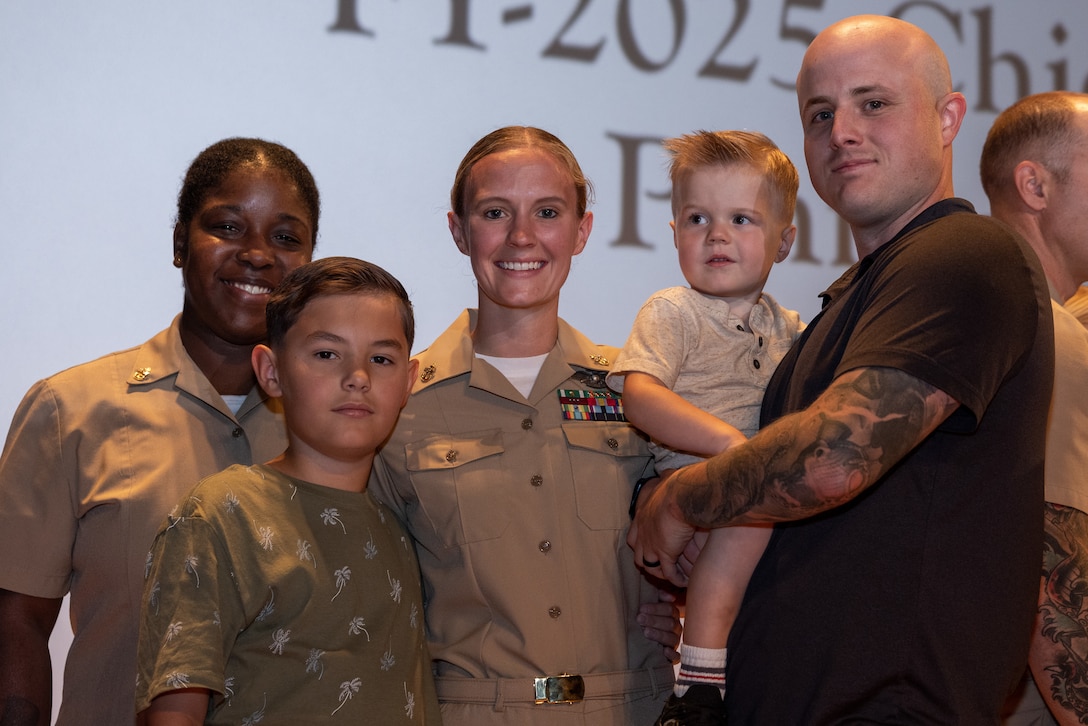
{"x":698,"y":359}
{"x":98,"y":454}
{"x":903,"y":434}
{"x":1035,"y":171}
{"x":514,"y":469}
{"x":325,"y":616}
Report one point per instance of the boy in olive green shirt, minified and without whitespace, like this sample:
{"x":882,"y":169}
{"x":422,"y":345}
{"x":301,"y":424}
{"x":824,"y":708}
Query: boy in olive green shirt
{"x":283,"y":590}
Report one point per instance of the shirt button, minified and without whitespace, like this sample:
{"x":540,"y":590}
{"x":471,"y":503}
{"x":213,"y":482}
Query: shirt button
{"x":451,"y":456}
{"x":554,"y":611}
{"x":545,"y":545}
{"x":756,"y":364}
{"x":537,"y":480}
{"x":527,"y":423}
{"x":761,"y":341}
{"x":237,"y":432}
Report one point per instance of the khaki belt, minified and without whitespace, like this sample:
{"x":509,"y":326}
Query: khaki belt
{"x":564,"y":688}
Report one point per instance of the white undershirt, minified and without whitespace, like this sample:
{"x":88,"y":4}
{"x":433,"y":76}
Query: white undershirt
{"x":521,"y":372}
{"x":234,"y":403}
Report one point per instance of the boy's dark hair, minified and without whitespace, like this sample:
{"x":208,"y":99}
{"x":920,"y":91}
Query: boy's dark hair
{"x":332,"y":276}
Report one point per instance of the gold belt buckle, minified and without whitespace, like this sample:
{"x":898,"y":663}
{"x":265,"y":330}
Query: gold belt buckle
{"x":563,"y":688}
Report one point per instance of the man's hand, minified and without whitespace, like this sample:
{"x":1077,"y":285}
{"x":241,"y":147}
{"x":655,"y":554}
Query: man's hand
{"x":659,"y":535}
{"x":660,"y":623}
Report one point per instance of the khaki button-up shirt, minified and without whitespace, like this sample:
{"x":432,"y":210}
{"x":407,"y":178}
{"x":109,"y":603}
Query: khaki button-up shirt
{"x":520,"y":514}
{"x":95,"y":459}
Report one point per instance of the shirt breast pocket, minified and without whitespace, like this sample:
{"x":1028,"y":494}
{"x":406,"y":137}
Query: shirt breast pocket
{"x":455,"y":479}
{"x":606,"y":460}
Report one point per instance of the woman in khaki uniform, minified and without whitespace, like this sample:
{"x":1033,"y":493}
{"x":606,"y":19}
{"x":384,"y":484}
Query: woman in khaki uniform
{"x":513,"y":468}
{"x":99,"y":454}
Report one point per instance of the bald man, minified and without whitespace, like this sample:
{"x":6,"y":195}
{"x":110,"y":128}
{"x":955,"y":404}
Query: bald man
{"x":1035,"y":171}
{"x":902,"y":451}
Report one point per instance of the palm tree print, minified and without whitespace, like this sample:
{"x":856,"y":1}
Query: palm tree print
{"x":314,"y":664}
{"x":228,"y":689}
{"x":409,"y":702}
{"x":394,"y":586}
{"x":269,"y":607}
{"x":147,"y":565}
{"x":413,"y":616}
{"x":257,"y":716}
{"x":231,"y":502}
{"x":342,"y":577}
{"x":388,"y":660}
{"x":264,"y":536}
{"x":177,"y":680}
{"x":348,"y":689}
{"x":280,"y":639}
{"x":172,"y":631}
{"x":370,"y":549}
{"x":302,"y":549}
{"x":153,"y":596}
{"x":191,"y":563}
{"x":358,"y":625}
{"x":331,"y":516}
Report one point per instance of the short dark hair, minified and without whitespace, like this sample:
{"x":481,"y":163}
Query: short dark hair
{"x":211,"y":166}
{"x":332,"y":276}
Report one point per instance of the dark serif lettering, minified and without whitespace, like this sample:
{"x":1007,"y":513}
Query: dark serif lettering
{"x":629,"y":189}
{"x":347,"y":19}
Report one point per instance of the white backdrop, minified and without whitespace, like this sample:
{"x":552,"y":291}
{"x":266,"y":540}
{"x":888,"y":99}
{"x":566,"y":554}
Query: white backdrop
{"x":103,"y":105}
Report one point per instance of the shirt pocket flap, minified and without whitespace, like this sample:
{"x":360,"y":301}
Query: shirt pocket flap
{"x":605,"y":438}
{"x":447,"y":452}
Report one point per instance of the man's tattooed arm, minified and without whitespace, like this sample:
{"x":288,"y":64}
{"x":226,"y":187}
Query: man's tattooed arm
{"x":819,"y":458}
{"x":1059,"y":646}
